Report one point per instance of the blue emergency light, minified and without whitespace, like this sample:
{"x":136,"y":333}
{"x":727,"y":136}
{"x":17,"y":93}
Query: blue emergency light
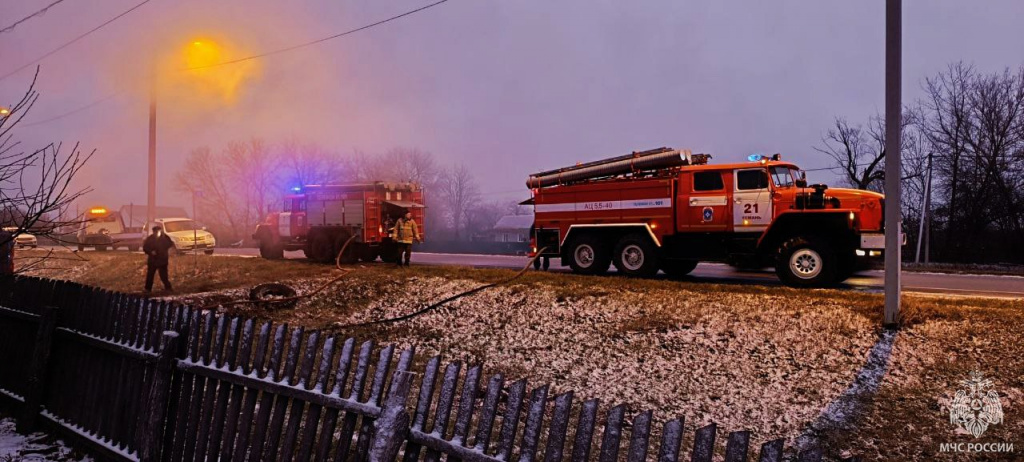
{"x":755,"y":157}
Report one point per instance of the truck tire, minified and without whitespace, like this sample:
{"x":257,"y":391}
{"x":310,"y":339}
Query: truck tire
{"x":350,"y":256}
{"x":807,"y":262}
{"x":677,"y":269}
{"x":133,"y":248}
{"x":270,"y":251}
{"x":368,"y":254}
{"x":636,"y":256}
{"x":322,"y":248}
{"x":588,"y":255}
{"x":81,"y":248}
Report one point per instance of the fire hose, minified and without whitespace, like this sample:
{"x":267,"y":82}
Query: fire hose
{"x":258,"y":299}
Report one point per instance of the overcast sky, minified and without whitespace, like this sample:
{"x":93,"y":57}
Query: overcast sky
{"x":506,"y":87}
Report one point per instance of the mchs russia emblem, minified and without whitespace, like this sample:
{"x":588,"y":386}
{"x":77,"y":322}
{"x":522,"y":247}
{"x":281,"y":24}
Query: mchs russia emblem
{"x":976,"y":406}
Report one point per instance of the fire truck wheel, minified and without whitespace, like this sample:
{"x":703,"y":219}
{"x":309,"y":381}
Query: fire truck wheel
{"x":536,"y":264}
{"x":322,"y":248}
{"x":677,"y":269}
{"x":367,"y":255}
{"x":350,"y":256}
{"x":635,"y":255}
{"x":271,"y":251}
{"x":588,"y":255}
{"x":806,"y":262}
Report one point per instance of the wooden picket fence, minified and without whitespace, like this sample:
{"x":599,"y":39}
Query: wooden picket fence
{"x":137,"y":379}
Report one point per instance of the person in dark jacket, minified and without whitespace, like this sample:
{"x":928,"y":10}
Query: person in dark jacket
{"x":157,"y":246}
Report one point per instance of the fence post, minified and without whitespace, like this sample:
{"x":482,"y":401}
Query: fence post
{"x":36,"y":383}
{"x":156,"y":406}
{"x":391,"y":428}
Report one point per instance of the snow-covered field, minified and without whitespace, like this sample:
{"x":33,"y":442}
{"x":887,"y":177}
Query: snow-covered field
{"x":35,"y":447}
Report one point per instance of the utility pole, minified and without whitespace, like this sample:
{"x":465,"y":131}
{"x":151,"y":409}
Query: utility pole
{"x":928,"y":212}
{"x":922,"y":229}
{"x":151,"y":192}
{"x":893,"y":114}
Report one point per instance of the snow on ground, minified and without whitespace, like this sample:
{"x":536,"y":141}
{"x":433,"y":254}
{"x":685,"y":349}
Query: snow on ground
{"x":37,"y":447}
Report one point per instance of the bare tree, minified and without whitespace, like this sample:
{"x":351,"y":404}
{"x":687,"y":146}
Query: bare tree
{"x":307,"y":163}
{"x":254,"y":174}
{"x":36,"y":184}
{"x":974,"y":124}
{"x":459,"y":193}
{"x":482,"y":217}
{"x":206,"y":177}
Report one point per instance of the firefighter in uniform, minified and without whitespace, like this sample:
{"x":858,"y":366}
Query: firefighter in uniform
{"x":157,"y":246}
{"x":404,"y":233}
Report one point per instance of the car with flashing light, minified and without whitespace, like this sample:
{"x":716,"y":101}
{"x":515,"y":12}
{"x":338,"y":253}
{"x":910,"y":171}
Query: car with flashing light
{"x":187,"y":234}
{"x":102,"y":229}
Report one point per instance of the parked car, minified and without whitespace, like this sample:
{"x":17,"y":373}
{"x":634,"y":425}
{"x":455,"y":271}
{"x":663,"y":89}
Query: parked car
{"x":23,"y":239}
{"x":187,"y":234}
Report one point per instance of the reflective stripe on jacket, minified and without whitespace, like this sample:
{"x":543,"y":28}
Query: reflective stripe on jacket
{"x":405,"y":231}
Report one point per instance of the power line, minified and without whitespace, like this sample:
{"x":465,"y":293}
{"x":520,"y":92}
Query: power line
{"x":26,"y":18}
{"x":65,"y":45}
{"x":247,"y":58}
{"x":320,"y":40}
{"x":75,"y":111}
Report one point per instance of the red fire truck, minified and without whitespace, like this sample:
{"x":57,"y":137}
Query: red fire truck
{"x":667,"y":209}
{"x":319,"y":219}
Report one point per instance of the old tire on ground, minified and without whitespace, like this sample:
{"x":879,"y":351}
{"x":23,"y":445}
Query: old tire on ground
{"x":677,"y":269}
{"x":636,"y":256}
{"x":264,"y":294}
{"x":322,"y":248}
{"x":807,"y":262}
{"x":588,"y":255}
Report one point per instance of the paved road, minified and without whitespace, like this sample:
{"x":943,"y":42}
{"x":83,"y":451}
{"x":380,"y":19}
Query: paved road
{"x":868,"y":281}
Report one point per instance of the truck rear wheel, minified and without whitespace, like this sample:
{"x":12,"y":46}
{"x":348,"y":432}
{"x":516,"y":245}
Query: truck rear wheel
{"x":807,"y":262}
{"x":350,"y":255}
{"x":322,"y":248}
{"x":635,"y":255}
{"x":677,"y":269}
{"x":588,"y":255}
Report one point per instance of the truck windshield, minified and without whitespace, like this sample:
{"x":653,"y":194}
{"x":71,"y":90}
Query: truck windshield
{"x":183,"y":225}
{"x":783,"y":177}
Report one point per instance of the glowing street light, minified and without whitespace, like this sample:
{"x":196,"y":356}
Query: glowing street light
{"x":4,"y":111}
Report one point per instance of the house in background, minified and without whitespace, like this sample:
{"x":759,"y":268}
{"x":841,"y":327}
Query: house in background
{"x":512,"y":228}
{"x":134,"y":215}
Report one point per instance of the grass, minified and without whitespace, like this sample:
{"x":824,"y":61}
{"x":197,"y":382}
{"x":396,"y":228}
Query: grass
{"x":764,"y":358}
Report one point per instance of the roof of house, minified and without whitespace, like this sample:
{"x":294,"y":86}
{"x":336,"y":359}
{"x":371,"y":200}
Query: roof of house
{"x":518,"y":222}
{"x":137,"y":213}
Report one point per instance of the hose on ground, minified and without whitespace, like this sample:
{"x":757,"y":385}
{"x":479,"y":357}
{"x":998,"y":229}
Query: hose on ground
{"x":292,"y":300}
{"x":440,"y":303}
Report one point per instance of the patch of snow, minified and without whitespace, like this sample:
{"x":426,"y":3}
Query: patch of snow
{"x":37,"y":447}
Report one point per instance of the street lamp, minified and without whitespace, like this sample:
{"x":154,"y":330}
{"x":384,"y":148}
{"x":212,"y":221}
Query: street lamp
{"x":4,"y":112}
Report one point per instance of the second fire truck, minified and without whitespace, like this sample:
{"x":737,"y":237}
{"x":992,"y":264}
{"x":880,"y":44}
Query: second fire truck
{"x":667,"y":209}
{"x":320,"y":219}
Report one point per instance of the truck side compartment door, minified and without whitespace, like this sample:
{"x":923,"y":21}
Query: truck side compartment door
{"x":703,"y":202}
{"x":752,"y":200}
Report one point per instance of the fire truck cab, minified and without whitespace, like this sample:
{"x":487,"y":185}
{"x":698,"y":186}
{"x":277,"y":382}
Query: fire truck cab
{"x":667,"y":210}
{"x":320,"y":219}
